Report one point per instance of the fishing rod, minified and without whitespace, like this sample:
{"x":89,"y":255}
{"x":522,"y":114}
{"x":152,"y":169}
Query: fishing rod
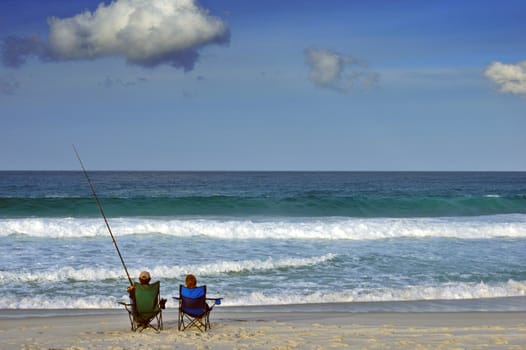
{"x":103,"y":215}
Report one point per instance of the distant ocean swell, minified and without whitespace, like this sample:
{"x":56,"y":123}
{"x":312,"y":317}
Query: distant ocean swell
{"x":301,"y":205}
{"x":332,"y":228}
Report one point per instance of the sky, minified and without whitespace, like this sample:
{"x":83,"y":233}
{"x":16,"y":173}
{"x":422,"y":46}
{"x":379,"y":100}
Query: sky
{"x":343,"y":85}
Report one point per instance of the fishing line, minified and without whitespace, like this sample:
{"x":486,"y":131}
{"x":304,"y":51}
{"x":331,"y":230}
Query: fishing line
{"x":103,"y":215}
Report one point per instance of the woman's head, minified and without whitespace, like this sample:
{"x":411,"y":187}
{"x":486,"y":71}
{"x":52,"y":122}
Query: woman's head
{"x":191,"y":281}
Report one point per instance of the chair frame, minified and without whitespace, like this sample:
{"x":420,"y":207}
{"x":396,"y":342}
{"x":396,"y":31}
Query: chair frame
{"x":201,"y":319}
{"x":138,"y":323}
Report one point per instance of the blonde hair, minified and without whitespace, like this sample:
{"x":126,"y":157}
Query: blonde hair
{"x":191,"y":281}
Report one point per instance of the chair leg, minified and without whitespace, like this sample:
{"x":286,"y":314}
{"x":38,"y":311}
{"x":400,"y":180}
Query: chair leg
{"x":185,"y":321}
{"x":133,"y":323}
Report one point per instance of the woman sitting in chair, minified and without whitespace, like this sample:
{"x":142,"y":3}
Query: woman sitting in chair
{"x":191,"y":283}
{"x":194,"y":310}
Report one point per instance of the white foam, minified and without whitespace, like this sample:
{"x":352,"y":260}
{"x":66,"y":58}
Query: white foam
{"x":513,"y":225}
{"x":59,"y":302}
{"x":69,"y":273}
{"x":449,"y":291}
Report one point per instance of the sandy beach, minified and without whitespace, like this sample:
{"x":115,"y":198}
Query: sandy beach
{"x":238,"y":328}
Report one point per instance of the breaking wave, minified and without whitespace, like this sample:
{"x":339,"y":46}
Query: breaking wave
{"x":71,"y":274}
{"x":513,"y":225}
{"x":450,"y":291}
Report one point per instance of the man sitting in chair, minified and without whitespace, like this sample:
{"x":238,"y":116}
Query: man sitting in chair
{"x":144,"y":279}
{"x":145,"y":309}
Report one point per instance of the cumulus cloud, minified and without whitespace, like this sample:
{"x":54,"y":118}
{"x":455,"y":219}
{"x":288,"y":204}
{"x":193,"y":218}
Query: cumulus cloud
{"x":510,"y":77}
{"x":333,"y":70}
{"x":146,"y":32}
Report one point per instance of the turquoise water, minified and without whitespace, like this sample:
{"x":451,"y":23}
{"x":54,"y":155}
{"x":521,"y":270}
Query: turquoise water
{"x":282,"y":194}
{"x":262,"y":238}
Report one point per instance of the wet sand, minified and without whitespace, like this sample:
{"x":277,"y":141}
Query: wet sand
{"x":266,"y":328}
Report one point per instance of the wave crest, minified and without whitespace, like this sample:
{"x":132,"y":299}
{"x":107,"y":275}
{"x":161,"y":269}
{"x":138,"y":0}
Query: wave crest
{"x":306,"y":228}
{"x":450,"y":291}
{"x":69,"y":273}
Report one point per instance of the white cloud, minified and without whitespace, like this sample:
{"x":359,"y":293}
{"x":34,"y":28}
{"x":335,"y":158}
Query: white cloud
{"x":510,"y":77}
{"x":337,"y":71}
{"x":145,"y":32}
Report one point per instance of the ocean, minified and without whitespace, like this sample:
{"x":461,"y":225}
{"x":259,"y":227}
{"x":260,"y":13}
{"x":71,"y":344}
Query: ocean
{"x":266,"y":238}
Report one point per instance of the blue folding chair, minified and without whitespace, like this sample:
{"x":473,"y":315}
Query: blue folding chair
{"x":194,"y":308}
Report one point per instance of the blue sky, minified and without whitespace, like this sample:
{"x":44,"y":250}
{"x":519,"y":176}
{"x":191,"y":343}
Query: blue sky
{"x":263,"y":85}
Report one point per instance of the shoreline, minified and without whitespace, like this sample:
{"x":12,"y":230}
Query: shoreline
{"x":492,"y":323}
{"x":248,"y":328}
{"x":505,"y":304}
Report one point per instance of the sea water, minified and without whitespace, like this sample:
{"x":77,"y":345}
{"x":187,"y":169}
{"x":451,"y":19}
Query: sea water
{"x":265,"y":238}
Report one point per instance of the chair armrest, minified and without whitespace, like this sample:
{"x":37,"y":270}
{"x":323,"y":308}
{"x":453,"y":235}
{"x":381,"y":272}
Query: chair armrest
{"x":127,"y":306}
{"x":217,"y":301}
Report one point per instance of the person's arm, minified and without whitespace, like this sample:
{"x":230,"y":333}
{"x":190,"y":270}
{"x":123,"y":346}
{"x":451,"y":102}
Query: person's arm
{"x":131,"y":292}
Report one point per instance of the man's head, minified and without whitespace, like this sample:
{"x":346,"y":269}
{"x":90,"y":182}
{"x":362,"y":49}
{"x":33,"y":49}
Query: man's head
{"x":144,"y":277}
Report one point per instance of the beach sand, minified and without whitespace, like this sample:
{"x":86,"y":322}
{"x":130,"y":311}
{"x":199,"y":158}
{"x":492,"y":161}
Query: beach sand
{"x":239,"y":328}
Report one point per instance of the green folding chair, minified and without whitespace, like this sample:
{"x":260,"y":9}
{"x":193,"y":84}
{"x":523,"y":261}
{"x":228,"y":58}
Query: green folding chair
{"x":145,"y":311}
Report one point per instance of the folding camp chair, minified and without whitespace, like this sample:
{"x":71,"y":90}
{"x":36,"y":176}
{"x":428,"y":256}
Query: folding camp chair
{"x":194,"y":309}
{"x":146,"y":307}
